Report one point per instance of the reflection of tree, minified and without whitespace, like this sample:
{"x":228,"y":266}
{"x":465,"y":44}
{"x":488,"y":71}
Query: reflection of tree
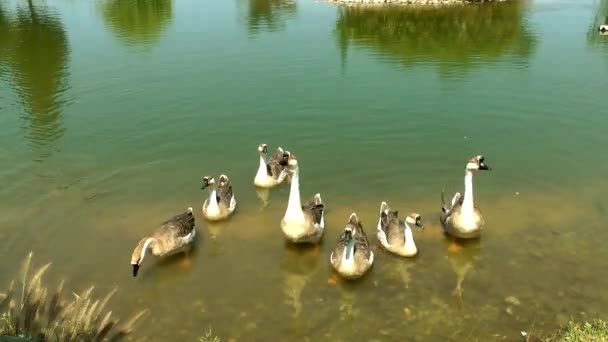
{"x":601,"y":18}
{"x":269,"y":15}
{"x":34,"y":49}
{"x":138,"y":21}
{"x":453,"y":35}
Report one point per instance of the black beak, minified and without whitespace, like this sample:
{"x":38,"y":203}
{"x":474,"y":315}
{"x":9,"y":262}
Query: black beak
{"x":419,"y":223}
{"x":483,"y":166}
{"x":135,"y":269}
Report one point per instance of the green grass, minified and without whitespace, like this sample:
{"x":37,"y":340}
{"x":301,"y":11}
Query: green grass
{"x":595,"y":331}
{"x":29,"y":309}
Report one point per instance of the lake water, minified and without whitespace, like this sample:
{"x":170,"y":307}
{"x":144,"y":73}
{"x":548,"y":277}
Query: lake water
{"x":111,"y":112}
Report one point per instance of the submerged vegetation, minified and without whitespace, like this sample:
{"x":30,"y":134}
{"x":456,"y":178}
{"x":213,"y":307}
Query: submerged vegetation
{"x":209,"y":337}
{"x":28,"y":309}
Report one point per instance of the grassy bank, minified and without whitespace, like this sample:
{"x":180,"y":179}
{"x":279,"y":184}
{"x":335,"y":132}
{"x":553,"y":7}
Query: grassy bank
{"x":28,"y":309}
{"x":594,"y":331}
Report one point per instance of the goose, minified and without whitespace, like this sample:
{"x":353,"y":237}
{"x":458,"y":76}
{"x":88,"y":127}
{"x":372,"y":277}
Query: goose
{"x":221,"y":202}
{"x":603,"y":28}
{"x":461,"y":219}
{"x":352,"y":256}
{"x":272,"y":172}
{"x":302,"y":223}
{"x":173,"y":236}
{"x":395,"y":236}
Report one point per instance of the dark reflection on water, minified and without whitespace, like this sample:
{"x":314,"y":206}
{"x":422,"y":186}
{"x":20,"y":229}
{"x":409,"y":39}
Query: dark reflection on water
{"x":459,"y":37}
{"x":34,"y":52}
{"x":269,"y":15}
{"x":138,"y":22}
{"x":594,"y":37}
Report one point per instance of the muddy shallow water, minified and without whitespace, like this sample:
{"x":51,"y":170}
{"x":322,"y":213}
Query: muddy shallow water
{"x":112,"y":132}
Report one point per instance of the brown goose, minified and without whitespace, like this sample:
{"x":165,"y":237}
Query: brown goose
{"x":352,"y":256}
{"x":460,"y":218}
{"x":272,"y":172}
{"x":302,"y":223}
{"x":394,"y":235}
{"x":221,"y":202}
{"x":173,"y":236}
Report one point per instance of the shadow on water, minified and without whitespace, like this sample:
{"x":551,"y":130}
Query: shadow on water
{"x":594,"y":37}
{"x":34,"y":57}
{"x":137,"y":22}
{"x":459,"y":38}
{"x":269,"y":15}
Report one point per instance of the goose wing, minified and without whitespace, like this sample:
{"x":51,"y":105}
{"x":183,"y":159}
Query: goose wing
{"x":224,"y":191}
{"x":457,"y":200}
{"x":314,"y":207}
{"x":277,"y":163}
{"x":362,"y":242}
{"x":339,"y":250}
{"x":180,"y":225}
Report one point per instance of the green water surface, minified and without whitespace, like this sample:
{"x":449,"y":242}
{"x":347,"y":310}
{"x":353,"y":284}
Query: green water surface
{"x":111,"y":112}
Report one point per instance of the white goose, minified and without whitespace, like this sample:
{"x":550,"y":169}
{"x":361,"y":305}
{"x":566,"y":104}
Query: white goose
{"x":173,"y":236}
{"x":302,"y":223}
{"x":221,"y":202}
{"x":272,"y":172}
{"x":461,"y":219}
{"x":394,"y":236}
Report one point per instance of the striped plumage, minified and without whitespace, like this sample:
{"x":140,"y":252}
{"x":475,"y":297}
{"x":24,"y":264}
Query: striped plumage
{"x":172,"y":236}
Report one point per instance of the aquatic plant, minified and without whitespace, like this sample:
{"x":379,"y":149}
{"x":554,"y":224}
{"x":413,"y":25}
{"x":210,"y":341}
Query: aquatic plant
{"x":209,"y":337}
{"x":29,"y":310}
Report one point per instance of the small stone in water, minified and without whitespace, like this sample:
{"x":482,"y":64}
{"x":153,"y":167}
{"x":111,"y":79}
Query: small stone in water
{"x":513,"y":300}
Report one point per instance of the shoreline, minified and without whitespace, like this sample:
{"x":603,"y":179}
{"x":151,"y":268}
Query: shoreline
{"x":410,"y":2}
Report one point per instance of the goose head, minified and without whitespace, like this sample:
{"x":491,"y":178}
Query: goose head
{"x":207,"y":182}
{"x":284,"y":161}
{"x":292,"y":161}
{"x":138,"y":254}
{"x":477,"y":163}
{"x":263,"y":148}
{"x":223,"y":180}
{"x":415,"y":219}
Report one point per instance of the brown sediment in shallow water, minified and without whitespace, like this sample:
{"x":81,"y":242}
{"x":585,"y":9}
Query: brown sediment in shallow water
{"x":248,"y":262}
